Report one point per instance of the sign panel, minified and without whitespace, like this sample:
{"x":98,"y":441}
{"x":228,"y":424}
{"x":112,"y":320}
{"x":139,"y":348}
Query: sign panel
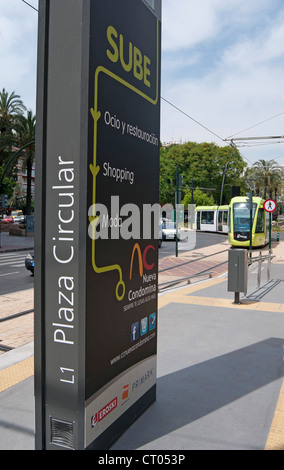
{"x":99,"y":112}
{"x":270,"y":205}
{"x":124,"y":170}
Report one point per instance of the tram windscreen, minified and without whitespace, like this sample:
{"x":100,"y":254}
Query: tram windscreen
{"x":241,"y":216}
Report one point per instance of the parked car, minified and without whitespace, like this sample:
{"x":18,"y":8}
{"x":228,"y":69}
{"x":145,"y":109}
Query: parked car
{"x":8,"y":219}
{"x":29,"y":262}
{"x":16,"y":213}
{"x":19,"y":219}
{"x":169,"y":231}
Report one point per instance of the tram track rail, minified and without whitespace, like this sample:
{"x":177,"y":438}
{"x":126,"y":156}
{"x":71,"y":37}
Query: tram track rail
{"x":16,"y":315}
{"x":162,"y":286}
{"x":14,"y":333}
{"x":193,"y":261}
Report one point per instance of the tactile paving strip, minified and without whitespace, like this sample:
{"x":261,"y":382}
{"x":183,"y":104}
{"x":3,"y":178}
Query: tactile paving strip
{"x":275,"y":439}
{"x":16,"y":374}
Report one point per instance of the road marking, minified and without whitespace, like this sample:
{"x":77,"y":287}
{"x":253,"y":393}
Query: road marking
{"x":12,"y":263}
{"x":9,"y":274}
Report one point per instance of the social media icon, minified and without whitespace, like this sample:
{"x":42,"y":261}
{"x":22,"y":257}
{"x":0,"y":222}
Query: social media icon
{"x":144,"y":326}
{"x":134,"y":331}
{"x":152,"y":321}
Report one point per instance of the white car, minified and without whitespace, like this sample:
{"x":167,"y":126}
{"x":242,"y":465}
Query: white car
{"x":169,"y":231}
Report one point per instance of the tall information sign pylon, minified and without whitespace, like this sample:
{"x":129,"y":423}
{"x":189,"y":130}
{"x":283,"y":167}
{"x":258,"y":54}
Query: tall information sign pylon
{"x":96,"y":271}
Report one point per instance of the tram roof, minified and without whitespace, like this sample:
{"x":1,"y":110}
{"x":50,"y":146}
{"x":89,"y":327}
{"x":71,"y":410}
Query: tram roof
{"x":256,"y":199}
{"x":211,"y":208}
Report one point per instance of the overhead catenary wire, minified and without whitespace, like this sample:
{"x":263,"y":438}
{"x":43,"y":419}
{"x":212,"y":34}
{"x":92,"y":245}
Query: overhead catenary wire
{"x":231,"y":143}
{"x":24,"y":1}
{"x":190,"y":117}
{"x":256,"y":125}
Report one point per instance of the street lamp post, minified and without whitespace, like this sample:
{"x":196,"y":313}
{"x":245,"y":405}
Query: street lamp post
{"x":223,"y":181}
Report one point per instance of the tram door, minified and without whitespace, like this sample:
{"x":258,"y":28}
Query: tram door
{"x":198,"y":220}
{"x":220,"y":221}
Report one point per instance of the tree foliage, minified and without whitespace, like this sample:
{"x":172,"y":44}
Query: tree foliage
{"x":266,"y":178}
{"x":17,"y":134}
{"x":25,"y":137}
{"x":199,"y":198}
{"x":11,"y":107}
{"x":203,"y":164}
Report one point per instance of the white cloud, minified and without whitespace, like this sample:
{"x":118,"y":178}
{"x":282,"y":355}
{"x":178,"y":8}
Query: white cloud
{"x":182,"y":22}
{"x":189,"y":23}
{"x":18,"y":45}
{"x":222,"y":63}
{"x":236,"y":76}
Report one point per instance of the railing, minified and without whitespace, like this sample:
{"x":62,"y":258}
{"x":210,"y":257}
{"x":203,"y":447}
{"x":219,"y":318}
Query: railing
{"x":270,"y":284}
{"x":260,"y":259}
{"x":168,"y":284}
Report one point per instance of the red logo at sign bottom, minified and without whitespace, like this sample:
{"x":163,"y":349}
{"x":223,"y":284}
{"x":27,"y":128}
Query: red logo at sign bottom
{"x":105,"y":411}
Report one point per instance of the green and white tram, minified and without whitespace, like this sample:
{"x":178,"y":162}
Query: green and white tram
{"x":239,"y":227}
{"x":212,"y":219}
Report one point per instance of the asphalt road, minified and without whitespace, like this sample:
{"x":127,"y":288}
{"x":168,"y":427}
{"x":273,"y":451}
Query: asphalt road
{"x":13,"y":273}
{"x":15,"y":277}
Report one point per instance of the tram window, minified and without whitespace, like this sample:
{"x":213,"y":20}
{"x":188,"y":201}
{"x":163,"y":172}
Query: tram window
{"x":220,"y":216}
{"x":241,"y":216}
{"x":207,"y":217}
{"x":260,"y":221}
{"x":225,"y":218}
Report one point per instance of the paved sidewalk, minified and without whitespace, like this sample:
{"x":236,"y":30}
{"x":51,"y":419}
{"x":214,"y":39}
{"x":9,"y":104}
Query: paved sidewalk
{"x":13,"y":243}
{"x":220,"y":372}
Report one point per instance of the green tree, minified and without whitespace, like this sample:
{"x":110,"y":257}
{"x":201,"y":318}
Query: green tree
{"x":25,"y":137}
{"x":11,"y":106}
{"x":267,"y":178}
{"x":8,"y":184}
{"x":199,"y":198}
{"x":203,"y":163}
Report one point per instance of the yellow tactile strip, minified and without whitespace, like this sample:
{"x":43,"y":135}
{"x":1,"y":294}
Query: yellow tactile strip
{"x":183,"y":297}
{"x":16,"y":374}
{"x":275,"y":439}
{"x":25,"y":369}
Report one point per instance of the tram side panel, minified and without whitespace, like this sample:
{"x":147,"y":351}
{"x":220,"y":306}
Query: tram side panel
{"x":212,"y":219}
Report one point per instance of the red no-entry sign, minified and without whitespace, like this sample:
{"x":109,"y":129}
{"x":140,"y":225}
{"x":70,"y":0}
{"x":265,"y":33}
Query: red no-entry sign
{"x":270,"y":205}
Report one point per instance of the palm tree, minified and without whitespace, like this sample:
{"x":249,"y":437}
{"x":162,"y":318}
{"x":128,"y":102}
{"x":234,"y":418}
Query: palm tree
{"x":11,"y":106}
{"x":264,"y":172}
{"x":276,"y":183}
{"x":25,"y":137}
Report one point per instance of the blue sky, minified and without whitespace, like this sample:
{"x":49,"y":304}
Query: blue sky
{"x":222,"y":65}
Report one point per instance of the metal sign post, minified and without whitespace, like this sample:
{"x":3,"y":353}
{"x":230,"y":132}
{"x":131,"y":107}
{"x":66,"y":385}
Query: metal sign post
{"x":250,"y":196}
{"x":96,"y":274}
{"x":270,"y":206}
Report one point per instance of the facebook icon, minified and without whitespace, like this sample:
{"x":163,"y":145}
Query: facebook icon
{"x":134,"y":331}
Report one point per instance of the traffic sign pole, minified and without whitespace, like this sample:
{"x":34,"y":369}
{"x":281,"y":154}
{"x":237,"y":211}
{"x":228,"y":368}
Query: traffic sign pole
{"x":270,"y":206}
{"x":270,"y":224}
